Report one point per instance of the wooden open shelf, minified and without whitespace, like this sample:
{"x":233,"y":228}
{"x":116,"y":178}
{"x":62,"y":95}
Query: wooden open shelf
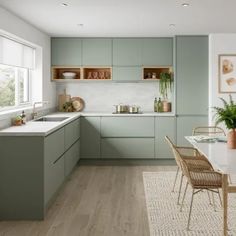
{"x":57,"y":73}
{"x":153,"y":73}
{"x":97,"y":73}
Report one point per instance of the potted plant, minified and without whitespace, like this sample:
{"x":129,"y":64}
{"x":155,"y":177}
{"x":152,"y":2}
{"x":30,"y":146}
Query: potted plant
{"x":227,"y":114}
{"x":165,"y":86}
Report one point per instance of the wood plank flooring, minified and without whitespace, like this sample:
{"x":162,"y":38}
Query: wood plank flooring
{"x":97,"y":200}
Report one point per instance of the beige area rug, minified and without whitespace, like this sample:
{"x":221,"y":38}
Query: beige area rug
{"x":165,"y":217}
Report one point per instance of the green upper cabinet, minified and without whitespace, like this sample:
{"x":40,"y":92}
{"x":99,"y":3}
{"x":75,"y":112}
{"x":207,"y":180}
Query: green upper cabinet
{"x":97,"y":52}
{"x":127,"y":52}
{"x":157,"y":52}
{"x":125,"y":73}
{"x":192,"y":75}
{"x":66,"y":51}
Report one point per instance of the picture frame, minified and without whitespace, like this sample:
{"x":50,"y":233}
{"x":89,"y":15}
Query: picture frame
{"x":227,"y":73}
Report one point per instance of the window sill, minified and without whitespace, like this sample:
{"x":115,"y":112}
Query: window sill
{"x":9,"y":113}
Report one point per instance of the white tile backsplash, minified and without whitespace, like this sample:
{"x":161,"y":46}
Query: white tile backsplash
{"x":101,"y":96}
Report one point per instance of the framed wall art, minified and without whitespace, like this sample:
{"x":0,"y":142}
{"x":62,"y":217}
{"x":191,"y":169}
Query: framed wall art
{"x":227,"y":73}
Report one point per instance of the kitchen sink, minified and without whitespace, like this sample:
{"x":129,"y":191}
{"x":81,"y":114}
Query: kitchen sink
{"x":51,"y":119}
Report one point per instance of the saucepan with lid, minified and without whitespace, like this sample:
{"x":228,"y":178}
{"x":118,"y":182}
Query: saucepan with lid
{"x":122,"y":108}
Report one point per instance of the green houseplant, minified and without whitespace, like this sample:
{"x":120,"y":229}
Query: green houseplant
{"x":165,"y":87}
{"x":227,"y":115}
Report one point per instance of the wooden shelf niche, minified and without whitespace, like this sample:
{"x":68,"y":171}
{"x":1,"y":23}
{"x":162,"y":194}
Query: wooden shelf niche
{"x":97,"y":73}
{"x":153,"y":73}
{"x":57,"y":73}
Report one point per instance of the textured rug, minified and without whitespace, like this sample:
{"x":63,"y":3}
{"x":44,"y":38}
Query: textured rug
{"x":165,"y":217}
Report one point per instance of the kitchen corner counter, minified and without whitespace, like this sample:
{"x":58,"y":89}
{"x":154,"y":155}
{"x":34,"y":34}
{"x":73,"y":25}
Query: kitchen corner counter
{"x":42,"y":128}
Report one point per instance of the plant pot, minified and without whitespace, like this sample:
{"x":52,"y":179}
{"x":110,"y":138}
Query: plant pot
{"x":166,"y":106}
{"x":231,"y":139}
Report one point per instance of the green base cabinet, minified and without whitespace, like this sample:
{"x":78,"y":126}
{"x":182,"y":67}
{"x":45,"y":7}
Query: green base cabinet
{"x":164,"y":126}
{"x":137,"y":148}
{"x":185,"y":125}
{"x":90,"y":137}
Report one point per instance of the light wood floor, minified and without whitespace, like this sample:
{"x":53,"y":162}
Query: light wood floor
{"x":97,"y":200}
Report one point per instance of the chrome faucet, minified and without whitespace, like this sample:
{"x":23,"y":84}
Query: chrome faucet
{"x":34,"y":113}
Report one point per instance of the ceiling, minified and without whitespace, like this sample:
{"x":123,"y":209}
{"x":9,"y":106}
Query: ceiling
{"x":126,"y":18}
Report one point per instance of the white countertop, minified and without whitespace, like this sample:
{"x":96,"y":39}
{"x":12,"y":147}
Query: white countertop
{"x":42,"y":128}
{"x":219,"y":155}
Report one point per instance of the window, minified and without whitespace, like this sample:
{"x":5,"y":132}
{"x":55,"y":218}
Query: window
{"x":16,"y":67}
{"x":14,"y":86}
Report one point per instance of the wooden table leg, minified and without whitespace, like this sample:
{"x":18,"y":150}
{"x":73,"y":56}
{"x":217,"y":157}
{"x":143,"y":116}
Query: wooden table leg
{"x":225,"y":202}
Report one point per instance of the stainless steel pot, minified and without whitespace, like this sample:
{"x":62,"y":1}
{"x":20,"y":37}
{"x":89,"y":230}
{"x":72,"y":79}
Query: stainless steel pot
{"x":134,"y":109}
{"x":122,"y":108}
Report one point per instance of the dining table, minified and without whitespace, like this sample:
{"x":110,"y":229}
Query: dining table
{"x":222,"y":159}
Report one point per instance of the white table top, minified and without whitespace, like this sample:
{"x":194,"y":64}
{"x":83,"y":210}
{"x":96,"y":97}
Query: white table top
{"x":219,"y":155}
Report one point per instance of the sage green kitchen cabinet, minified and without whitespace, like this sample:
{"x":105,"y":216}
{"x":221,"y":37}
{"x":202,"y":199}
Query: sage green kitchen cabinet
{"x":137,"y":148}
{"x":97,"y":52}
{"x":127,"y":73}
{"x":72,"y":133}
{"x":192,"y":75}
{"x":127,"y":126}
{"x":127,"y":52}
{"x":32,"y":169}
{"x":72,"y":157}
{"x":66,"y":51}
{"x":164,"y":126}
{"x":157,"y":52}
{"x":185,"y":125}
{"x":90,"y":137}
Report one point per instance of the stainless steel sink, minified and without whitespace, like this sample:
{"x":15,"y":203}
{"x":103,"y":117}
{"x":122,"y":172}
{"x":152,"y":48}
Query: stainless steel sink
{"x":51,"y":119}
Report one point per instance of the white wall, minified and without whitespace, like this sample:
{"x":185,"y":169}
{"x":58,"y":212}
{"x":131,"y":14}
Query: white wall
{"x":103,"y":96}
{"x":218,"y":44}
{"x":17,"y":27}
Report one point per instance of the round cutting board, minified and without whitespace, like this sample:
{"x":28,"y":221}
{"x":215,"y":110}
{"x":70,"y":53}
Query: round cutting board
{"x":78,"y":103}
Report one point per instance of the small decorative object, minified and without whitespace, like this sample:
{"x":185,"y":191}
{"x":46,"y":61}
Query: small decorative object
{"x":227,"y":73}
{"x":17,"y":120}
{"x":165,"y":86}
{"x":68,"y":107}
{"x":227,"y":114}
{"x":23,"y":118}
{"x":69,"y":75}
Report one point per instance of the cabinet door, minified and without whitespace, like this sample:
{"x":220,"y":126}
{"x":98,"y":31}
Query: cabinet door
{"x":97,"y":52}
{"x":127,"y":52}
{"x":54,"y":176}
{"x":127,"y":73}
{"x":127,"y":127}
{"x":164,"y":126}
{"x":157,"y":52}
{"x":127,"y":148}
{"x":72,"y":157}
{"x":192,"y":74}
{"x":72,"y":133}
{"x":66,"y":51}
{"x":54,"y":146}
{"x":185,"y":125}
{"x":90,"y":137}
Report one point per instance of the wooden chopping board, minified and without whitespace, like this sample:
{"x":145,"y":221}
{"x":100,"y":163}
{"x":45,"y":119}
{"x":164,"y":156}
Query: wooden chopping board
{"x":62,"y":99}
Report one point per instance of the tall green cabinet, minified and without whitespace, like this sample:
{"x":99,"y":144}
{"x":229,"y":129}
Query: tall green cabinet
{"x":191,"y":84}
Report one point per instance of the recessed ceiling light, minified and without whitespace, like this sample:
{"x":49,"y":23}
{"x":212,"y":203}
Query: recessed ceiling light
{"x":64,"y":4}
{"x":80,"y":25}
{"x":172,"y":25}
{"x":185,"y":4}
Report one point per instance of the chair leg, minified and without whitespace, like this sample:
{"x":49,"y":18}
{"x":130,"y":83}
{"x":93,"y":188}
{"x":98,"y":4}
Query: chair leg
{"x":213,"y":201}
{"x":180,"y":186}
{"x":218,"y":192}
{"x":176,"y":176}
{"x":209,"y":197}
{"x":190,"y":210}
{"x":230,"y":180}
{"x":184,"y":197}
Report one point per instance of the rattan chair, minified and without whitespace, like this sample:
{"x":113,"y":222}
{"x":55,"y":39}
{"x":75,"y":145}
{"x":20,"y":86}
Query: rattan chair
{"x":209,"y":131}
{"x":199,"y":180}
{"x":192,"y":156}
